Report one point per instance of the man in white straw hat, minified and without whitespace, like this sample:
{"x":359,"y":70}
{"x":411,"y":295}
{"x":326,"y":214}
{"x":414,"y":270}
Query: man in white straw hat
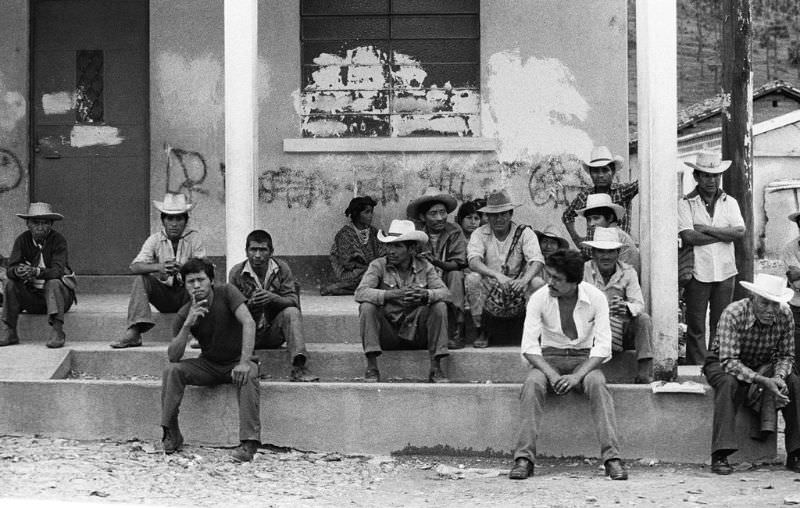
{"x":631,"y":327}
{"x":157,"y":268}
{"x":602,"y":166}
{"x":37,"y":267}
{"x":403,"y":302}
{"x":710,"y":221}
{"x":754,"y":348}
{"x":446,"y":250}
{"x":791,"y":258}
{"x":602,"y":212}
{"x":505,"y":259}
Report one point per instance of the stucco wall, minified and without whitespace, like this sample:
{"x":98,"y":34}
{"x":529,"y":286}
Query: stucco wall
{"x":187,"y":99}
{"x":553,"y":83}
{"x":14,"y":85}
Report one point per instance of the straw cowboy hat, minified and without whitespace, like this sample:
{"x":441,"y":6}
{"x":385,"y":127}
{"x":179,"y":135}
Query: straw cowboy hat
{"x":794,"y":216}
{"x":402,"y":231}
{"x":601,"y":200}
{"x":497,"y":202}
{"x":432,"y":194}
{"x":173,"y":204}
{"x":770,"y":287}
{"x":709,"y":162}
{"x":550,"y":231}
{"x":604,"y":239}
{"x":601,"y":156}
{"x":40,"y":211}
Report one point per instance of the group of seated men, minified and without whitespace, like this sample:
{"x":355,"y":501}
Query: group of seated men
{"x":575,"y":311}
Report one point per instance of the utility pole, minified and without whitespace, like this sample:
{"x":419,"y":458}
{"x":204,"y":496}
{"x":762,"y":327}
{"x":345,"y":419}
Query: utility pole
{"x":737,"y":123}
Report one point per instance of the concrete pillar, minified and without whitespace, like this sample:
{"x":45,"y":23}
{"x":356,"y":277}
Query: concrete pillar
{"x":656,"y":78}
{"x":241,"y":124}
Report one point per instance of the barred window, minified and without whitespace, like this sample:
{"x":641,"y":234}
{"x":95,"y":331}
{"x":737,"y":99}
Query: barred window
{"x":390,"y":68}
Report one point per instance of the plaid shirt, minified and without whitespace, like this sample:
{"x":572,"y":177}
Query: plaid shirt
{"x":621,"y":194}
{"x":743,"y":344}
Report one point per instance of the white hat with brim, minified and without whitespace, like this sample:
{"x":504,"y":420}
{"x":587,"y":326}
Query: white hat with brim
{"x":498,"y":202}
{"x":601,"y":157}
{"x":709,"y":162}
{"x":604,"y":239}
{"x":40,"y":211}
{"x":601,"y":200}
{"x":173,"y":204}
{"x":771,"y":287}
{"x":794,"y":216}
{"x":550,"y":232}
{"x":434,"y":195}
{"x":402,"y":231}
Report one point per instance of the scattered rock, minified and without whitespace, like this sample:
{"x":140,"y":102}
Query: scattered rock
{"x":647,"y":461}
{"x":792,"y":499}
{"x":591,"y":499}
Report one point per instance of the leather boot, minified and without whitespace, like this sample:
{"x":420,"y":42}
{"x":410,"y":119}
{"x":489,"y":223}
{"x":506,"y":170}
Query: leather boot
{"x":57,"y":335}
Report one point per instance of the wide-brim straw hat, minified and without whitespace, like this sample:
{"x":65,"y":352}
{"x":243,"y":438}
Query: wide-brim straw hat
{"x":550,"y":231}
{"x":709,"y":162}
{"x":794,"y":216}
{"x":497,"y":202}
{"x":771,"y":287}
{"x":602,"y":200}
{"x":173,"y":204}
{"x":601,"y":156}
{"x":431,"y":194}
{"x":604,"y":239}
{"x":40,"y":211}
{"x":402,"y":231}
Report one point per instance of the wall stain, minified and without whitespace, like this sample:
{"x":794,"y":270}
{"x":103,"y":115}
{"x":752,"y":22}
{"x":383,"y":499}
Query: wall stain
{"x":552,"y":177}
{"x":10,"y":171}
{"x":185,"y":171}
{"x":296,"y":186}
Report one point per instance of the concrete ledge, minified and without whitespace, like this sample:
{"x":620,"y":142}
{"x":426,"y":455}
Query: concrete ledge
{"x":342,"y":362}
{"x":377,"y":418}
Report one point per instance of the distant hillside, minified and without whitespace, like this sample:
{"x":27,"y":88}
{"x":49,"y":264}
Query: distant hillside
{"x":776,"y":48}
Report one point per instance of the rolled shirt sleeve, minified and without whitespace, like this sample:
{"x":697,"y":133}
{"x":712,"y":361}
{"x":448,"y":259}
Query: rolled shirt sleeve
{"x":685,"y":219}
{"x":530,"y":247}
{"x":601,"y":327}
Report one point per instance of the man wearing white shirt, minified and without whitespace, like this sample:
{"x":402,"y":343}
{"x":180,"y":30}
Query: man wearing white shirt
{"x":710,"y":221}
{"x":567,"y":336}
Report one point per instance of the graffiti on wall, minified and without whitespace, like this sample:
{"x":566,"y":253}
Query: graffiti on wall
{"x":553,"y":177}
{"x":185,"y":171}
{"x":10,"y":171}
{"x":297,"y":187}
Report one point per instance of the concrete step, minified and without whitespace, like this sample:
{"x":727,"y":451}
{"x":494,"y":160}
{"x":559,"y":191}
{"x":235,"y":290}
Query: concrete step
{"x":373,"y":418}
{"x":103,"y":317}
{"x":28,"y":362}
{"x":341,"y":362}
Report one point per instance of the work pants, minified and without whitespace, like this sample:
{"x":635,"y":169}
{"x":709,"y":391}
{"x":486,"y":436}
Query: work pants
{"x":701,"y":297}
{"x":593,"y":387}
{"x":203,"y":372}
{"x":286,"y":327}
{"x":148,"y":290}
{"x":637,"y":332}
{"x":730,"y":394}
{"x":54,"y":299}
{"x":377,"y":334}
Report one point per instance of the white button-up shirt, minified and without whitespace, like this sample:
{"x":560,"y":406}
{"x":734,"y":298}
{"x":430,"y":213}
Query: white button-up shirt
{"x":716,"y":261}
{"x":543,"y":323}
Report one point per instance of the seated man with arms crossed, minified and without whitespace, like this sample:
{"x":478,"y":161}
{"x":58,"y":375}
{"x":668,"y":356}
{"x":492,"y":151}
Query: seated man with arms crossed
{"x":218,"y":317}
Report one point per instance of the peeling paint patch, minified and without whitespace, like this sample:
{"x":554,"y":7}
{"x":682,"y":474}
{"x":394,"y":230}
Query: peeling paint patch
{"x":13,"y":107}
{"x":58,"y":103}
{"x":533,"y":108}
{"x":90,"y":135}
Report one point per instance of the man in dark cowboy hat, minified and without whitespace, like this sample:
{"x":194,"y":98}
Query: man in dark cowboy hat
{"x":158,"y":266}
{"x":37,"y":265}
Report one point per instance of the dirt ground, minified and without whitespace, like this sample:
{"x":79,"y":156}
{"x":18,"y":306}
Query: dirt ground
{"x":38,"y":471}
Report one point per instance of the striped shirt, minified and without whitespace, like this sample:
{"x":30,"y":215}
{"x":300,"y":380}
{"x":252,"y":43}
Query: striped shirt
{"x":744,"y":344}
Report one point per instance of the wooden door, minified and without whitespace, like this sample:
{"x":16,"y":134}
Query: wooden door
{"x":90,"y":126}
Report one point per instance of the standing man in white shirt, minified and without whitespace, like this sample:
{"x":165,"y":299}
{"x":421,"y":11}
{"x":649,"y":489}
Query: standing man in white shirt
{"x":710,"y":221}
{"x":567,"y":336}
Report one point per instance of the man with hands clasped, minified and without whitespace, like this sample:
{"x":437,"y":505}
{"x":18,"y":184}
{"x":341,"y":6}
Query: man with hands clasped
{"x":218,"y":317}
{"x":567,"y":336}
